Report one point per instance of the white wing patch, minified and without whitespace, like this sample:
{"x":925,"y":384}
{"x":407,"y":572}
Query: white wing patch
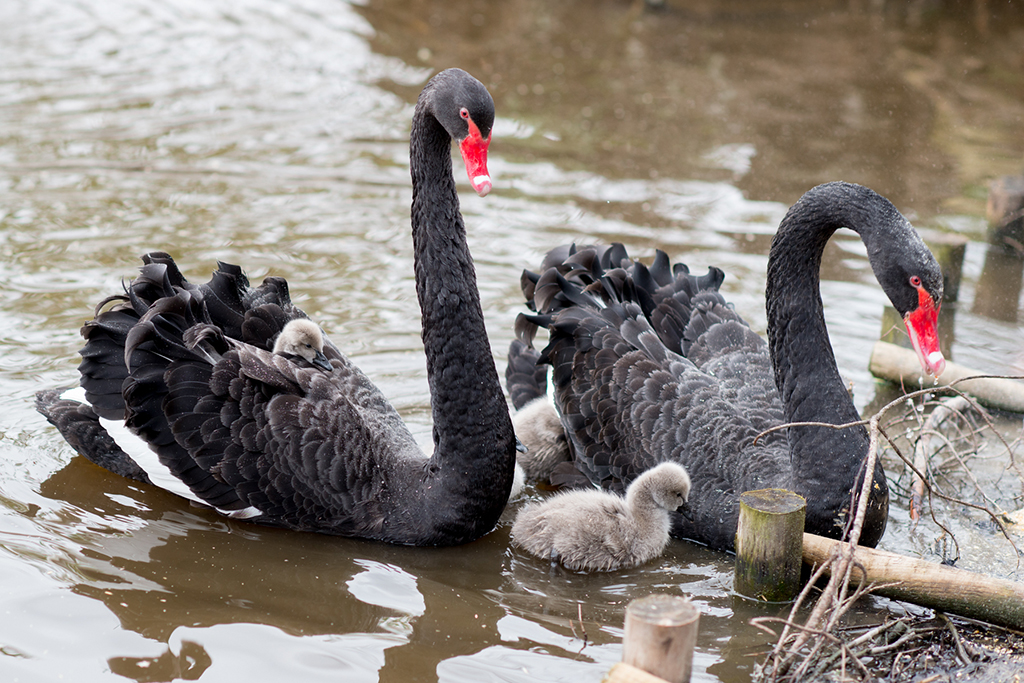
{"x":139,"y":451}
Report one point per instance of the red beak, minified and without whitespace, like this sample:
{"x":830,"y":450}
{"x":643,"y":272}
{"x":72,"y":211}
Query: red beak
{"x":474,"y":153}
{"x":922,"y":326}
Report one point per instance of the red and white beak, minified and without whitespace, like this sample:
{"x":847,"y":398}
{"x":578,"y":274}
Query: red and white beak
{"x":474,"y":154}
{"x":923,"y":328}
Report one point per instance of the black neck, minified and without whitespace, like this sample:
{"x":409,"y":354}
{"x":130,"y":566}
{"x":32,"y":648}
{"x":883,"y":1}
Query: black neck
{"x":472,"y":427}
{"x":806,"y":375}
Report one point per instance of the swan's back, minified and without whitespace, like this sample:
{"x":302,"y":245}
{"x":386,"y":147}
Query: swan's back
{"x":248,"y":431}
{"x":696,"y":388}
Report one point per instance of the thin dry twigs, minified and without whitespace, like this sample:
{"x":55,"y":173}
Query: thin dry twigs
{"x":812,"y":649}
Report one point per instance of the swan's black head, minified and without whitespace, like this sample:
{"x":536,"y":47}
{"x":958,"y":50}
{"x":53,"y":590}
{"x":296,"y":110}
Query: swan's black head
{"x":462,"y":105}
{"x":910,"y":277}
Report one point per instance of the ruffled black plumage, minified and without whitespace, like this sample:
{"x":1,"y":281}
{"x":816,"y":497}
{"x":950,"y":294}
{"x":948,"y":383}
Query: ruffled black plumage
{"x":271,"y":437}
{"x":651,"y":364}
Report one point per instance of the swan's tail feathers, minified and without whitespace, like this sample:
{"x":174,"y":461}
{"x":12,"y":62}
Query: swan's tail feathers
{"x":713,"y":280}
{"x":677,"y":315}
{"x":207,"y":341}
{"x":661,"y":268}
{"x":159,"y":358}
{"x":102,"y":369}
{"x":525,"y":376}
{"x":159,"y":277}
{"x":224,"y":297}
{"x":80,"y":426}
{"x":273,"y":290}
{"x":526,"y":327}
{"x":173,"y":274}
{"x":528,"y":283}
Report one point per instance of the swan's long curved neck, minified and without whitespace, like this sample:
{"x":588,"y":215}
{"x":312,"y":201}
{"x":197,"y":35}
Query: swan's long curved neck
{"x":805,"y":368}
{"x":472,"y":427}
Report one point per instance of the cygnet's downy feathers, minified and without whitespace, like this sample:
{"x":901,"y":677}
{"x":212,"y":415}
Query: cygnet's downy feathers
{"x":593,"y":530}
{"x":303,"y":338}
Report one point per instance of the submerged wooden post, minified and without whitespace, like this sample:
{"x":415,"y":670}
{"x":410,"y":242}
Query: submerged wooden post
{"x":998,"y":291}
{"x":769,"y":544}
{"x":627,"y":673}
{"x":661,"y":632}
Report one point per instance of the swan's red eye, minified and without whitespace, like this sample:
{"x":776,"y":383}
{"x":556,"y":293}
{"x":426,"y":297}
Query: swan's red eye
{"x":464,"y":113}
{"x":915,"y":281}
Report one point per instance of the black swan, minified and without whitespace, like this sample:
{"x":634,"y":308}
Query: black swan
{"x":650,"y":365}
{"x":592,"y":530}
{"x":187,"y":373}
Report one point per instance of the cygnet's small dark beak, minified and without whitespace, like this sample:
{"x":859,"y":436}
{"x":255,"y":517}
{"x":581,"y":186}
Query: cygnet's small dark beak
{"x":520,"y":446}
{"x":685,"y":511}
{"x":320,"y":360}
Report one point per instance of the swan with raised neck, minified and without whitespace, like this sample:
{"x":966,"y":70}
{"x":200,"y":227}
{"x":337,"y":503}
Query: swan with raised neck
{"x":224,"y":420}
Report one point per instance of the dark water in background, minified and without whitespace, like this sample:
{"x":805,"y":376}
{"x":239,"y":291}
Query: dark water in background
{"x":273,"y":133}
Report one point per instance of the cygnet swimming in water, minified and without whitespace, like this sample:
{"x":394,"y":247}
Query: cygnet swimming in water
{"x":302,"y":337}
{"x":592,"y":530}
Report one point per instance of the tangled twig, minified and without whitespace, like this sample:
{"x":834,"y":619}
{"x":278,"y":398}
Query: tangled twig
{"x":810,"y":649}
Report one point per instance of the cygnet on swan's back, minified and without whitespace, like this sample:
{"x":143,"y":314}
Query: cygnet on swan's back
{"x":592,"y":530}
{"x":302,"y":337}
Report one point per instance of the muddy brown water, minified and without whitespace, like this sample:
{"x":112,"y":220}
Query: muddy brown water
{"x":273,"y":133}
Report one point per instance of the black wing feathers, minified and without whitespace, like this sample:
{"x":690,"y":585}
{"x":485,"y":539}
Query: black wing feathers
{"x":650,"y":364}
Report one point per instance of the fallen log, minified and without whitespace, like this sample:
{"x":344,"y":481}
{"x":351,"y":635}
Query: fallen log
{"x":929,"y":584}
{"x":901,"y":366}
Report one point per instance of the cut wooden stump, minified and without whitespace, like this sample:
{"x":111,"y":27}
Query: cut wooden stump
{"x":902,"y":367}
{"x":929,"y":584}
{"x":661,"y":632}
{"x":627,"y":673}
{"x":769,"y":538}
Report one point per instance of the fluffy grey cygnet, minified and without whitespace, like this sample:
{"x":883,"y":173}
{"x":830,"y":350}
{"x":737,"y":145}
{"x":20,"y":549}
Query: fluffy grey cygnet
{"x":540,"y":429}
{"x":592,"y":530}
{"x":301,"y":337}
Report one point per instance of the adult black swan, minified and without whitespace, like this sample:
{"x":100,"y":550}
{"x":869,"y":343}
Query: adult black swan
{"x":188,"y":373}
{"x":652,"y":365}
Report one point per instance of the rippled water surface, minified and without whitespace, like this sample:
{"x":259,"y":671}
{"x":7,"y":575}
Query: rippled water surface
{"x":274,"y":134}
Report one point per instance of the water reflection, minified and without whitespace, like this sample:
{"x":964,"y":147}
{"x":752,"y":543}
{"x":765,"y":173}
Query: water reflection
{"x":855,"y":91}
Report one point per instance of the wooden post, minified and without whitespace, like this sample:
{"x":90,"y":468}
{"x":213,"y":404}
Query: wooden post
{"x":769,"y":540}
{"x":627,"y":673}
{"x":930,"y":584}
{"x":998,"y":290}
{"x":661,"y":632}
{"x":902,"y":367}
